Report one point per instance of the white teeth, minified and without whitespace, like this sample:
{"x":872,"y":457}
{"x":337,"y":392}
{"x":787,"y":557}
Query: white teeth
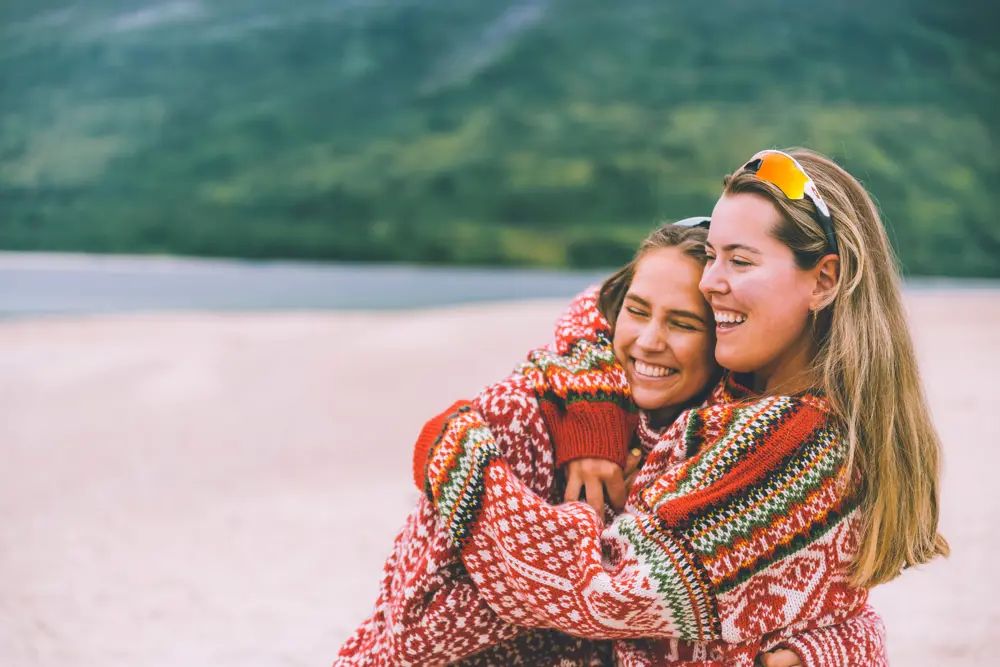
{"x":652,"y":371}
{"x":730,"y":317}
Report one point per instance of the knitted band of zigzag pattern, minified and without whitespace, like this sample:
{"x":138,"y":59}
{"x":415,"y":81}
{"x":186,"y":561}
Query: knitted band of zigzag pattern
{"x":808,"y":480}
{"x":678,"y":576}
{"x":456,"y":466}
{"x":588,"y":372}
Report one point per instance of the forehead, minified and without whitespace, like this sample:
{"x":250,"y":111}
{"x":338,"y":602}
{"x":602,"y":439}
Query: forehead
{"x":666,"y":277}
{"x":745,"y":219}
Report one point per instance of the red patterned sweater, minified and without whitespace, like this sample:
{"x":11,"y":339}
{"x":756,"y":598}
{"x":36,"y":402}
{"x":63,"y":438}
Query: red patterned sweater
{"x":537,"y":565}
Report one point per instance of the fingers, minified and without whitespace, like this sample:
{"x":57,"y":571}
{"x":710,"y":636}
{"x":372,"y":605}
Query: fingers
{"x":595,"y":496}
{"x":629,"y":481}
{"x":617,"y":493}
{"x":633,"y":461}
{"x":781,"y":658}
{"x":573,"y":485}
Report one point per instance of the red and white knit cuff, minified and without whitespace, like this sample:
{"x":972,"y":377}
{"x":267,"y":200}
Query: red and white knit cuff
{"x":428,"y":436}
{"x":590,"y":429}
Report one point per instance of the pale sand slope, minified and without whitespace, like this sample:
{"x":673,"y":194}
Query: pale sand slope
{"x":196,"y":489}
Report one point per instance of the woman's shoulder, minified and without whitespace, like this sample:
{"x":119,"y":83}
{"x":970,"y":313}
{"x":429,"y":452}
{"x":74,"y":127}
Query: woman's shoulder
{"x":582,"y":320}
{"x":733,"y":393}
{"x":749,"y":427}
{"x":723,"y":455}
{"x":788,"y":420}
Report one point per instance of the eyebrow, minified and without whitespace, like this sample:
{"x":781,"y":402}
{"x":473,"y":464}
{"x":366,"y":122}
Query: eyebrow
{"x":673,"y":311}
{"x":736,"y":246}
{"x":688,"y":314}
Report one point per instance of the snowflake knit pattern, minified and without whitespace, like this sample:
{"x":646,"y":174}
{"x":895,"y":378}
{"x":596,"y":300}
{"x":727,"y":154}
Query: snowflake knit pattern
{"x":430,"y":610}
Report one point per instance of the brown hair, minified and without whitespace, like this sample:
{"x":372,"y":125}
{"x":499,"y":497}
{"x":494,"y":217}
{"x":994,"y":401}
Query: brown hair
{"x":867,"y":367}
{"x":690,"y":240}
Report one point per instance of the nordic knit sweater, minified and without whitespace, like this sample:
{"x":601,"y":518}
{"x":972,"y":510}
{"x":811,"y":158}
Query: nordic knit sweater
{"x":430,"y":609}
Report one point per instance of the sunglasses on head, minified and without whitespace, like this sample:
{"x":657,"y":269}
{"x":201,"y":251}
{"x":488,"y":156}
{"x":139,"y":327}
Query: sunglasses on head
{"x":785,"y":172}
{"x":698,"y":221}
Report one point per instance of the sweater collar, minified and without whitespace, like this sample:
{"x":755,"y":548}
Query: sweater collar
{"x":736,"y":388}
{"x":732,"y":388}
{"x":648,"y":436}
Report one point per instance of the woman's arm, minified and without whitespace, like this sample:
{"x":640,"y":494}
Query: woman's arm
{"x":428,"y":610}
{"x":859,"y":640}
{"x":699,"y":551}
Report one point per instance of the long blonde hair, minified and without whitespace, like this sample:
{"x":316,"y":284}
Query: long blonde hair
{"x":867,"y":367}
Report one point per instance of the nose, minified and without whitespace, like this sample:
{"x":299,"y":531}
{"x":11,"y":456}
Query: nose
{"x":651,"y":338}
{"x":713,"y":279}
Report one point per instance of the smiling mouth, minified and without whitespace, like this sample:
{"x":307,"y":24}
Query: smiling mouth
{"x":726,"y":320}
{"x":651,"y":371}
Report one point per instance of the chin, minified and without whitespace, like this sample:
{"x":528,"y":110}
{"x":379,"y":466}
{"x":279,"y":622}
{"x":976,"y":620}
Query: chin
{"x":735,"y":362}
{"x":643,"y":404}
{"x":649,"y":403}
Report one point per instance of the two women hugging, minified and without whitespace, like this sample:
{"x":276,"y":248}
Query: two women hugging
{"x":746,"y":396}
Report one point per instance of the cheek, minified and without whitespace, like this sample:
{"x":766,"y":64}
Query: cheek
{"x":772,"y":296}
{"x":697,"y":354}
{"x":622,"y":339}
{"x":753,"y":289}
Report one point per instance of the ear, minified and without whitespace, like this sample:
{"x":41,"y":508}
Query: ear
{"x":826,"y":273}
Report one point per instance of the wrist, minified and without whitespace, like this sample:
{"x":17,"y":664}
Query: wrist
{"x":600,"y":430}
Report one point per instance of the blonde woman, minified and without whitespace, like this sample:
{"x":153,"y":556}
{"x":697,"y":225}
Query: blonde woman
{"x":811,"y":476}
{"x":576,"y":399}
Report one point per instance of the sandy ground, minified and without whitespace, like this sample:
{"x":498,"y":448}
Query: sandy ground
{"x":192,"y":489}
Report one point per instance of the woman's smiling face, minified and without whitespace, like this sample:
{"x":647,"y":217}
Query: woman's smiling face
{"x":664,"y":333}
{"x":759,"y":295}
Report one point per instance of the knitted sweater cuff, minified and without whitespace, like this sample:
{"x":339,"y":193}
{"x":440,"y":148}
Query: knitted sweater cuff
{"x":586,"y":429}
{"x":428,"y":436}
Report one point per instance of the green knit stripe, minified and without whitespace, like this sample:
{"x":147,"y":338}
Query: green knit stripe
{"x":816,"y":530}
{"x":583,"y":356}
{"x":779,"y":495}
{"x":675,"y":572}
{"x":587,"y":373}
{"x":459,"y":494}
{"x":747,"y":428}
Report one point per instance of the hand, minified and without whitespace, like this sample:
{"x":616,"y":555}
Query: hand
{"x":594,"y":476}
{"x":780,"y":658}
{"x":632,"y":467}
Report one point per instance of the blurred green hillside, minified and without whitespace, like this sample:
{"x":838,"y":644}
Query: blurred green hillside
{"x":449,"y":131}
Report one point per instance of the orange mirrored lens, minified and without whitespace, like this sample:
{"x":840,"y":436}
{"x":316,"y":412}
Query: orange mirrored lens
{"x":780,"y":170}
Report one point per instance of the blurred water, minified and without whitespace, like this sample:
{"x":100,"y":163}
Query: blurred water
{"x":47,"y":284}
{"x":50,"y":284}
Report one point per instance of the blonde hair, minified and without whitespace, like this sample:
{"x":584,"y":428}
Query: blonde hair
{"x":867,"y":367}
{"x":689,"y":240}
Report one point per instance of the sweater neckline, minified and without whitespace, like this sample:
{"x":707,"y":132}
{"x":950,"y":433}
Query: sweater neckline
{"x":735,"y":388}
{"x":649,"y":436}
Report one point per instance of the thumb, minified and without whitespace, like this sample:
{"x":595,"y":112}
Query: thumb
{"x":573,"y":485}
{"x":781,"y":658}
{"x":633,"y":461}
